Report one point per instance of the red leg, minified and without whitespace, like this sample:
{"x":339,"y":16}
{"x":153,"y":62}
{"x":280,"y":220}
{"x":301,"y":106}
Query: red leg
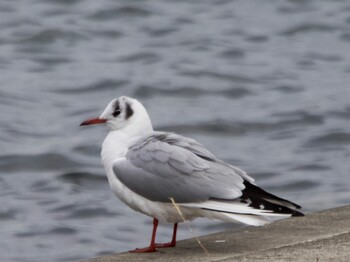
{"x":152,"y":245}
{"x":173,"y":240}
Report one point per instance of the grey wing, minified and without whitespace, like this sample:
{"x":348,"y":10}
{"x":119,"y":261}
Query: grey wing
{"x":199,"y":150}
{"x":164,"y":166}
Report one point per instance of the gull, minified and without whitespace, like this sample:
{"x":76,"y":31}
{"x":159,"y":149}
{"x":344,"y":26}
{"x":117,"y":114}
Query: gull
{"x":160,"y":173}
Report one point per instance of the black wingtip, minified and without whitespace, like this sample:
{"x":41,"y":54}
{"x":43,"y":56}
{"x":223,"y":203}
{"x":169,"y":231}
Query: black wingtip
{"x":258,"y":197}
{"x":255,"y":191}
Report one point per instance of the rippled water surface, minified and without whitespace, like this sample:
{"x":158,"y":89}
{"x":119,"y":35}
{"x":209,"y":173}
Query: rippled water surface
{"x":263,"y":84}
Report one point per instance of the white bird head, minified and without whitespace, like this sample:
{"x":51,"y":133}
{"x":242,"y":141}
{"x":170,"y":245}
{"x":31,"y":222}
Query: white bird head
{"x":123,"y":113}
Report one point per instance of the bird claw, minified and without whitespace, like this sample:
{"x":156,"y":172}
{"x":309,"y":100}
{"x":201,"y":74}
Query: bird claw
{"x":144,"y":250}
{"x":163,"y":245}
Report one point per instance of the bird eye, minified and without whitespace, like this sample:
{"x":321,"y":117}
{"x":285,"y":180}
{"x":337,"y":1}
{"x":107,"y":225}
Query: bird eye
{"x":116,"y":113}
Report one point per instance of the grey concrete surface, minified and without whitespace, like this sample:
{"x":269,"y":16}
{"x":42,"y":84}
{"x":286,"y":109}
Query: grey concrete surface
{"x":320,"y":236}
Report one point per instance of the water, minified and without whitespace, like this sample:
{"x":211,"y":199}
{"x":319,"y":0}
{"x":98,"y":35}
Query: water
{"x":264,"y":85}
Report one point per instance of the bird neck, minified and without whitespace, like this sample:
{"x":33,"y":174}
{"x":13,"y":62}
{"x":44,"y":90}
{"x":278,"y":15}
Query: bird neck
{"x":137,"y":126}
{"x":118,"y":141}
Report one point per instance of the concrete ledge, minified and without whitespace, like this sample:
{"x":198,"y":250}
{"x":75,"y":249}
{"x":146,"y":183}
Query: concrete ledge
{"x":320,"y":236}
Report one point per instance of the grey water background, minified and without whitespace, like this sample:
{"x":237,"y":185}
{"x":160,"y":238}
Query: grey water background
{"x":263,"y":84}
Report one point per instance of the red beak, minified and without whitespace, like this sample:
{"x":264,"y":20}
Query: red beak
{"x":93,"y":121}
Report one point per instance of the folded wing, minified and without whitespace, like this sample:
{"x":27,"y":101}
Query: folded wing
{"x":164,"y":166}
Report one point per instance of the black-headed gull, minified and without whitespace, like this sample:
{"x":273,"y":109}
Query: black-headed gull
{"x":150,"y":171}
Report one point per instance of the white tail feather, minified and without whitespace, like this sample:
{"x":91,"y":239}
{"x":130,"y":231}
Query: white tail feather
{"x":248,"y":219}
{"x":237,"y":208}
{"x":251,"y":220}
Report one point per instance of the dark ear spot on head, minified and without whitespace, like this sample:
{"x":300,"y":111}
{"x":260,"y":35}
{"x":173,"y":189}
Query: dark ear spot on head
{"x":129,"y":112}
